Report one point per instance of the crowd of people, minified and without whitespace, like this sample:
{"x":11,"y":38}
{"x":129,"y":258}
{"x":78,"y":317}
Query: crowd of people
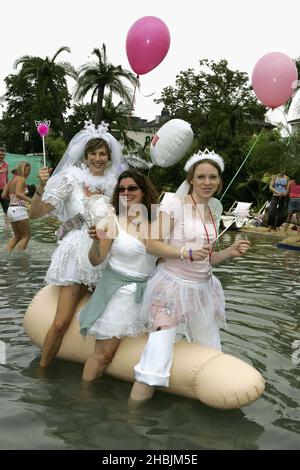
{"x":285,"y":201}
{"x":149,"y":266}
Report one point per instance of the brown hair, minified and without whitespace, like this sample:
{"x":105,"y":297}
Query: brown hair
{"x":191,"y":172}
{"x":94,"y":144}
{"x":150,"y":194}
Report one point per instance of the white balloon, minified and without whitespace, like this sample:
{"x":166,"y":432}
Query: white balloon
{"x":171,"y":142}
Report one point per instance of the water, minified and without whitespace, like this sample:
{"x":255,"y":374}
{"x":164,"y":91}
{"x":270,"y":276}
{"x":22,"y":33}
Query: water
{"x":54,"y":412}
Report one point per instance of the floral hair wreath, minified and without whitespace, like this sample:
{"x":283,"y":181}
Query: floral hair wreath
{"x":205,"y":155}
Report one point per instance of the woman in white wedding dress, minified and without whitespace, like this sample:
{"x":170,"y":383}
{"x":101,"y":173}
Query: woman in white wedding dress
{"x":70,"y":195}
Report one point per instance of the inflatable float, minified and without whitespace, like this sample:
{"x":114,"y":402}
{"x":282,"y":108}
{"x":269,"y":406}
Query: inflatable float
{"x":219,"y":380}
{"x":290,"y":243}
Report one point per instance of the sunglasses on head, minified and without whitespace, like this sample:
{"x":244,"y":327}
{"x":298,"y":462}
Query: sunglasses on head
{"x":130,"y":189}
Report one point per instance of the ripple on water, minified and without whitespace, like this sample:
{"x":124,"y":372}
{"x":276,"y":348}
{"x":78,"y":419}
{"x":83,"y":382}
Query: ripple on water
{"x":55,"y":412}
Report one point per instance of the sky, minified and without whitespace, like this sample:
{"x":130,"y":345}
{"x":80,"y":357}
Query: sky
{"x":239,"y":31}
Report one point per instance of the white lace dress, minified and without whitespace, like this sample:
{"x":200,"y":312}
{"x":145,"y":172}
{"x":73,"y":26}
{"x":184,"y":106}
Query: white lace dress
{"x":70,"y":263}
{"x":121,"y":316}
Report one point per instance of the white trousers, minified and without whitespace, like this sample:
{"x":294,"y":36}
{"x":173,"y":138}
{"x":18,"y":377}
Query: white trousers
{"x":156,"y":360}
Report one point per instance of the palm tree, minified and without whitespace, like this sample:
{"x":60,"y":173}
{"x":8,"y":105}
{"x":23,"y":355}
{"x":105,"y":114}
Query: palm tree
{"x":116,"y":115}
{"x":96,"y":76}
{"x":49,"y":75}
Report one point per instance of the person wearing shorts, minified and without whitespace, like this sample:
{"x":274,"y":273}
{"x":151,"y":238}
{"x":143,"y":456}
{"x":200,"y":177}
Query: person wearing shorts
{"x":17,"y":212}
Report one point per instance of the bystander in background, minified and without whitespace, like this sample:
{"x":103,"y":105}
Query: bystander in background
{"x":3,"y":181}
{"x":278,"y":205}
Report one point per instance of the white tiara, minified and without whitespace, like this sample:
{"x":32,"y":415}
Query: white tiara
{"x":205,"y":155}
{"x":100,"y":131}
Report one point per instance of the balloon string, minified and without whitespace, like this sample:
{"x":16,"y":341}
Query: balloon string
{"x":287,"y":126}
{"x":133,"y":99}
{"x":244,"y":161}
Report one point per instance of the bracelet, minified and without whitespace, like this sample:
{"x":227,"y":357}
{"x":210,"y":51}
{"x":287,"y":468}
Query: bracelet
{"x":181,"y":252}
{"x":38,"y":193}
{"x":191,"y":254}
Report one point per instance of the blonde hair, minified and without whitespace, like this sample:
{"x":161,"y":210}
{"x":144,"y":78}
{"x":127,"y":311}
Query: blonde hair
{"x":20,"y":168}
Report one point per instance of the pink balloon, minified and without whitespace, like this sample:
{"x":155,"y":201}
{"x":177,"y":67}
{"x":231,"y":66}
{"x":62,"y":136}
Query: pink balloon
{"x":43,"y":129}
{"x":147,"y":44}
{"x":274,"y":79}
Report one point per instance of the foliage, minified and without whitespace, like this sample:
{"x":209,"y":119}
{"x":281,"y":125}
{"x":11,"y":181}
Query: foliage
{"x":115,"y":115}
{"x":48,"y":77}
{"x":18,"y":115}
{"x":95,"y":77}
{"x":79,"y":113}
{"x":222,"y":109}
{"x":56,"y":147}
{"x":269,"y":153}
{"x":217,"y":101}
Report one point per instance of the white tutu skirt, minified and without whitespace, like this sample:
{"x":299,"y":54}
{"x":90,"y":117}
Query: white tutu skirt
{"x":121,"y":317}
{"x":196,"y":308}
{"x":70,"y":264}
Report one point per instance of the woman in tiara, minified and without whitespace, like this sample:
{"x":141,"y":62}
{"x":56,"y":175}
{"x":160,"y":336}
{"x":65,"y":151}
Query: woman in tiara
{"x":87,"y":173}
{"x":183,"y":296}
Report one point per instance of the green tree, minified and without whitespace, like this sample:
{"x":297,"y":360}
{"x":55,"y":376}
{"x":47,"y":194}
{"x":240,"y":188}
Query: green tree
{"x":80,"y":113}
{"x":18,"y":117}
{"x":271,"y":154}
{"x":95,"y":77}
{"x":116,"y":116}
{"x":49,"y":78}
{"x":222,"y":109}
{"x":56,"y":147}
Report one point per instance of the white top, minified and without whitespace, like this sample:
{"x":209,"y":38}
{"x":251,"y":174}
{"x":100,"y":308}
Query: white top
{"x":68,"y":196}
{"x":70,"y":263}
{"x":129,"y":256}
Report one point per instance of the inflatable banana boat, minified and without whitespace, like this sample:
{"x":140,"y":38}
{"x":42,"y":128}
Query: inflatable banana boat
{"x":219,"y":380}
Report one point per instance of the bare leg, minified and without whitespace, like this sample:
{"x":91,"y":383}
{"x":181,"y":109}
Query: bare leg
{"x":103,"y":354}
{"x":24,"y":229}
{"x":16,"y":238}
{"x":288,"y":221}
{"x":6,"y":220}
{"x":68,"y":299}
{"x":141,"y":391}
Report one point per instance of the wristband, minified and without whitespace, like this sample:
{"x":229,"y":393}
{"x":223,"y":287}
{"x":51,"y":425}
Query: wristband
{"x":191,"y":254}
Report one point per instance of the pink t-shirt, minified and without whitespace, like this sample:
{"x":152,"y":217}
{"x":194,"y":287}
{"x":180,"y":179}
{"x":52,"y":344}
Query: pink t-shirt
{"x":3,"y":176}
{"x":295,"y":190}
{"x":188,"y":231}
